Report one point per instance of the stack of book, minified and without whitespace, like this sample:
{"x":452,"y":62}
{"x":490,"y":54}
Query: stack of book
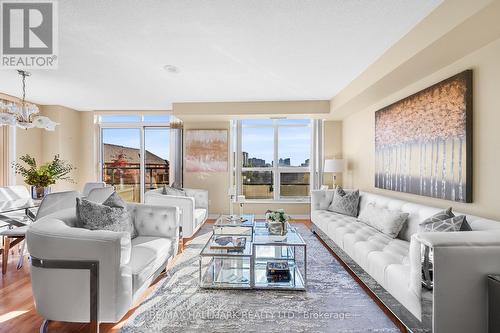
{"x":278,"y":271}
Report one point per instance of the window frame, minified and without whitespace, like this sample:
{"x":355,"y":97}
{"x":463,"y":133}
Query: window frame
{"x":141,"y":125}
{"x":276,"y":169}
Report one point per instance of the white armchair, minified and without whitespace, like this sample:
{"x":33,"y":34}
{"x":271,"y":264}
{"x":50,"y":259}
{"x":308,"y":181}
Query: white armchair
{"x":193,"y":207}
{"x":120,"y":268}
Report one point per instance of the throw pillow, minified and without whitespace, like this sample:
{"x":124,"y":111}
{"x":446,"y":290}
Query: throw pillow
{"x":384,"y":220}
{"x":345,"y":202}
{"x":169,"y":190}
{"x":444,"y":221}
{"x":450,"y":224}
{"x":95,"y":216}
{"x":114,"y":200}
{"x":442,"y":216}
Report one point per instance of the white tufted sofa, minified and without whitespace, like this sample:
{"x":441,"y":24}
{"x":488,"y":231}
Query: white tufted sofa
{"x":193,"y":207}
{"x":462,"y":260}
{"x":126,"y":267}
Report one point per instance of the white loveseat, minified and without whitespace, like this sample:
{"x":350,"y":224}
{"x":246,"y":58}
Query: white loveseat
{"x":462,"y":260}
{"x":193,"y":207}
{"x":125,"y":267}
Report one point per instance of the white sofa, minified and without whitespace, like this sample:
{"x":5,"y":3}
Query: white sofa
{"x":193,"y":207}
{"x":462,"y":260}
{"x":125,"y":267}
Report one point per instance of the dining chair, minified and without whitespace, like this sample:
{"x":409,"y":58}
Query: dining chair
{"x":51,"y":203}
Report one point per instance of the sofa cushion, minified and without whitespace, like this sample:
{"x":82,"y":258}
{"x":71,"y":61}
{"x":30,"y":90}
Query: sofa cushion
{"x":384,"y":220}
{"x":378,"y":254}
{"x":345,"y":203}
{"x":95,"y":216}
{"x":147,"y":256}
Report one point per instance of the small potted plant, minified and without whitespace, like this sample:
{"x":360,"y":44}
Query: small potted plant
{"x":41,"y":177}
{"x":277,"y":221}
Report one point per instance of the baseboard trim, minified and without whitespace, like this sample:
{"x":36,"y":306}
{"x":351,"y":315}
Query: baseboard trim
{"x":398,"y":314}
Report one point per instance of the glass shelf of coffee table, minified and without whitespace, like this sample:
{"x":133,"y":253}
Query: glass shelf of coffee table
{"x":226,"y":269}
{"x":290,"y":248}
{"x":234,"y":225}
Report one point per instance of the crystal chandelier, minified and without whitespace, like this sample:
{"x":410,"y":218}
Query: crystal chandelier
{"x":24,"y":114}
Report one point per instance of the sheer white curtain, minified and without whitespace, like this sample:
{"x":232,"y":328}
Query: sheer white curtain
{"x":4,"y":156}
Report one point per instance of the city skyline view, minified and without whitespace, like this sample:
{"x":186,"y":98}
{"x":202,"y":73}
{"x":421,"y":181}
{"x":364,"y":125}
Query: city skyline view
{"x":293,"y":143}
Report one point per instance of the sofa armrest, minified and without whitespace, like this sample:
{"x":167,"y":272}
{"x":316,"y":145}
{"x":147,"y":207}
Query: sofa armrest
{"x":321,"y":199}
{"x":451,"y":239}
{"x":200,"y":197}
{"x":63,"y":294}
{"x":461,"y":263}
{"x":51,"y":238}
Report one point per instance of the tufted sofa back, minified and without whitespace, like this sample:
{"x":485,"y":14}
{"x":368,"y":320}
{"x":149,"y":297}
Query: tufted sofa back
{"x":321,"y":200}
{"x":155,"y":221}
{"x":418,"y":213}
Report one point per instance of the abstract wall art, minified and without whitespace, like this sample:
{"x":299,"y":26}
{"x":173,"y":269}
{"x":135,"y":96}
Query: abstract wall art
{"x":423,"y":143}
{"x":206,"y":151}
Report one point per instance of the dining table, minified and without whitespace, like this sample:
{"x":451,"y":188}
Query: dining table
{"x":18,"y":213}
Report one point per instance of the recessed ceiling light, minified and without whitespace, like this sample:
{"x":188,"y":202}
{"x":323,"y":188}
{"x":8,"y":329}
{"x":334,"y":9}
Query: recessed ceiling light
{"x":171,"y":69}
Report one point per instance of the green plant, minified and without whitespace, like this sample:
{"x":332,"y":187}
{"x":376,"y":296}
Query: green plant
{"x":277,"y":216}
{"x":46,"y":174}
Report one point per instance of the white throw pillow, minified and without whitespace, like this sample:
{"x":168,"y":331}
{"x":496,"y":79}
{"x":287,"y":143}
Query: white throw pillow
{"x":389,"y":222}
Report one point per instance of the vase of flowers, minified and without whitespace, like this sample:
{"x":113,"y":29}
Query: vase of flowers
{"x":41,"y":177}
{"x":277,"y":222}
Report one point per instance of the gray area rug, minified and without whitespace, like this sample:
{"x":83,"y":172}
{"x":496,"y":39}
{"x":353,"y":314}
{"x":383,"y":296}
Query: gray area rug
{"x":333,"y":302}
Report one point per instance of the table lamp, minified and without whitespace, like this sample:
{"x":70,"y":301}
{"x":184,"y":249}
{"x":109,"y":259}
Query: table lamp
{"x":335,"y":166}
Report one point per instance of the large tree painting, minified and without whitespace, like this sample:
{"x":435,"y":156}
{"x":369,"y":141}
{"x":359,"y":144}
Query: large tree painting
{"x":423,"y":143}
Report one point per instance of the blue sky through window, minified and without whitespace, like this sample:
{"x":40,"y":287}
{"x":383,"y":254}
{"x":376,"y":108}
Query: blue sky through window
{"x":156,"y":140}
{"x":293,"y":143}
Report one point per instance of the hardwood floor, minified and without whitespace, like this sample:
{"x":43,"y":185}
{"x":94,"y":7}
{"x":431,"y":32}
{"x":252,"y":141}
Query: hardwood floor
{"x":18,"y":314}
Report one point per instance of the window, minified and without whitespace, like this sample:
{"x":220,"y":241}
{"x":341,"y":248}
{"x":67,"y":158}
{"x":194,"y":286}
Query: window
{"x":273,"y":158}
{"x":135,"y":155}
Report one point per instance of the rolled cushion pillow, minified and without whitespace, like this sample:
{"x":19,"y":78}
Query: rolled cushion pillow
{"x":95,"y":216}
{"x":389,"y":222}
{"x":345,"y":202}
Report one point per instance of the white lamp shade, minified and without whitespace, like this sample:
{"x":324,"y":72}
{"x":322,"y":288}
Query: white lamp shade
{"x":334,"y":165}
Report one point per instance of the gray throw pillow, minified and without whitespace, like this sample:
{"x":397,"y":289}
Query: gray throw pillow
{"x":169,"y":190}
{"x":95,"y":216}
{"x":444,"y":221}
{"x":442,"y":216}
{"x":451,"y":224}
{"x":384,"y":220}
{"x":114,"y":200}
{"x":345,"y":202}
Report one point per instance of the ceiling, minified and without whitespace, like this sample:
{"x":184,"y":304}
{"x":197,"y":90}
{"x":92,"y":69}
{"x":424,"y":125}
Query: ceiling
{"x":112,"y":53}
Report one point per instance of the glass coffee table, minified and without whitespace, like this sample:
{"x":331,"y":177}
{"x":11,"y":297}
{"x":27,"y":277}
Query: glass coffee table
{"x":246,"y":268}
